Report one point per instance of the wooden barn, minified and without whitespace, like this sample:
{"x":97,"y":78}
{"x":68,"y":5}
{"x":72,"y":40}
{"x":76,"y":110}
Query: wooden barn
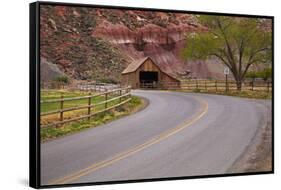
{"x":144,"y":73}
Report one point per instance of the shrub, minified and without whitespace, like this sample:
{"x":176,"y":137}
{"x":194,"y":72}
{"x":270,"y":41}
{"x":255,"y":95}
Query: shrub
{"x":62,"y":79}
{"x":264,"y":74}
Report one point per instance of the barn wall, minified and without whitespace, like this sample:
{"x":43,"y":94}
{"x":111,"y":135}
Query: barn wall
{"x":168,"y":82}
{"x":132,"y":78}
{"x":124,"y":80}
{"x":128,"y":79}
{"x":148,"y":65}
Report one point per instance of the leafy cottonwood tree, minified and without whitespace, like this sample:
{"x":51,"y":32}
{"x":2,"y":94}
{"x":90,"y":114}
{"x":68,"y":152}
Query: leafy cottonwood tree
{"x":235,"y":41}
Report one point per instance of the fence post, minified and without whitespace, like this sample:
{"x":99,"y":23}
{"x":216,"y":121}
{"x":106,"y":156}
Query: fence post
{"x":89,"y":106}
{"x":120,"y":94}
{"x":61,"y":108}
{"x":205,"y":85}
{"x":253,"y":85}
{"x":216,"y":85}
{"x":267,"y":86}
{"x":226,"y":84}
{"x":196,"y":84}
{"x":105,"y":105}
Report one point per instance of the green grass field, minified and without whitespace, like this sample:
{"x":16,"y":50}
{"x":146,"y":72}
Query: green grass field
{"x":47,"y":133}
{"x":243,"y":94}
{"x":56,"y":94}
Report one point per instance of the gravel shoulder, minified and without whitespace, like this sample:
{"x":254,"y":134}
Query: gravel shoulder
{"x":257,"y":157}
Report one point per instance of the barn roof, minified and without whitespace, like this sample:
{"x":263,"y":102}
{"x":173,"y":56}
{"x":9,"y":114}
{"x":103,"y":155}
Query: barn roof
{"x":137,"y":63}
{"x":132,"y":67}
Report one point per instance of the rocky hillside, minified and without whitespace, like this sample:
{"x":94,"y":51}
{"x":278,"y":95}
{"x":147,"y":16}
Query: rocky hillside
{"x":97,"y":44}
{"x":66,"y":41}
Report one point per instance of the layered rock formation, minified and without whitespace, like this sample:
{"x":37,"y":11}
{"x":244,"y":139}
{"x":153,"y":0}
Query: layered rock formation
{"x":97,"y":44}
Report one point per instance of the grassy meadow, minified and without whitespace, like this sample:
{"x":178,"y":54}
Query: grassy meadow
{"x":48,"y":133}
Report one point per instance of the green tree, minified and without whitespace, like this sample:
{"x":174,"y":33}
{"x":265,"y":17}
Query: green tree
{"x":251,"y":74}
{"x":237,"y":42}
{"x":267,"y":74}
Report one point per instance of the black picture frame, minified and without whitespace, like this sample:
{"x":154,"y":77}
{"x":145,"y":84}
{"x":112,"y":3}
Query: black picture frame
{"x":34,"y":92}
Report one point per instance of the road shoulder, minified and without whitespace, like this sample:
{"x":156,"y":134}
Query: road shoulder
{"x":257,"y":157}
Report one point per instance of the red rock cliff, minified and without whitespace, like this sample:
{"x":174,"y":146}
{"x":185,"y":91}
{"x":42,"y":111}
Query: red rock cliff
{"x":90,"y":43}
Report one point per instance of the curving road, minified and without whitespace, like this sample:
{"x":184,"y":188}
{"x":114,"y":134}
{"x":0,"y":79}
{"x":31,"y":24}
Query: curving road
{"x":178,"y":134}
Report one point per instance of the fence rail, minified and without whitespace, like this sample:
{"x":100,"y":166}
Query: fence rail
{"x":118,"y":97}
{"x":215,"y":85}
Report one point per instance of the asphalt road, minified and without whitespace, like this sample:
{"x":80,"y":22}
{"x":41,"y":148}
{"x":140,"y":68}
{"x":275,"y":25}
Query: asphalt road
{"x":178,"y":134}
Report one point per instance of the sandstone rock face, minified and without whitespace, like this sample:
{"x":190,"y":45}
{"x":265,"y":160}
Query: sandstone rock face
{"x":98,"y":44}
{"x":163,"y":43}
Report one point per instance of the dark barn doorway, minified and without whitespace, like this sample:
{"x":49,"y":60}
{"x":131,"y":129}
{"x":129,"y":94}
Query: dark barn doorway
{"x":148,"y":79}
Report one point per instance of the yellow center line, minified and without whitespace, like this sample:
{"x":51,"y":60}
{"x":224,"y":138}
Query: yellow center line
{"x":125,"y":154}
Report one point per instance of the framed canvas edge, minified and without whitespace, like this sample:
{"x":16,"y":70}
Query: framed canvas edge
{"x":34,"y":95}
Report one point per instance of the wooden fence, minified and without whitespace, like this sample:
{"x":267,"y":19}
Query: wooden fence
{"x":212,"y":85}
{"x":116,"y":97}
